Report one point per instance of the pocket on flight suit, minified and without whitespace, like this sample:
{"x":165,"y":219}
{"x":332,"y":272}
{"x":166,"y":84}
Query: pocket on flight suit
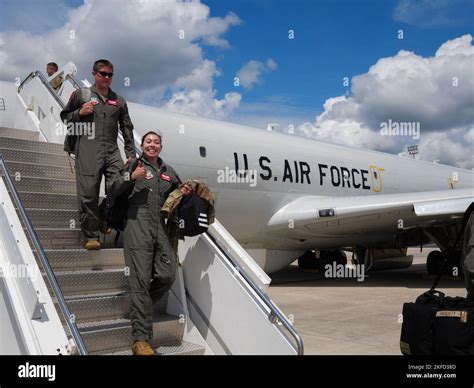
{"x":86,"y":157}
{"x":165,"y":269}
{"x":140,"y":262}
{"x":165,"y":259}
{"x":165,"y":188}
{"x":137,"y":228}
{"x":113,"y":111}
{"x":140,"y":195}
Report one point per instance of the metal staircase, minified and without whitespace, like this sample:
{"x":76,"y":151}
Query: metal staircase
{"x":93,"y":283}
{"x":217,"y":305}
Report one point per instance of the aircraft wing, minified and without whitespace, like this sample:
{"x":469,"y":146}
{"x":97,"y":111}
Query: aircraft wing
{"x":336,"y":216}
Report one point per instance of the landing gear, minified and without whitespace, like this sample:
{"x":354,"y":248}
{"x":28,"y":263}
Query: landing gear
{"x":309,"y":259}
{"x":443,"y":237}
{"x":435,"y":261}
{"x":359,"y":255}
{"x":330,"y":257}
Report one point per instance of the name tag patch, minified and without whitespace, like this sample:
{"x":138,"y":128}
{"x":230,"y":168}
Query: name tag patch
{"x":165,"y":177}
{"x":112,"y":102}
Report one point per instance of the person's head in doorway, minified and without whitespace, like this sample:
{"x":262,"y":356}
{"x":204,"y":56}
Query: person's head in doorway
{"x":51,"y":68}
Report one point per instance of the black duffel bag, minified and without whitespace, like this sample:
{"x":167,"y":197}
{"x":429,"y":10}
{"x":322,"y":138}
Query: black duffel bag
{"x":437,"y":324}
{"x":453,"y":327}
{"x":192,"y":215}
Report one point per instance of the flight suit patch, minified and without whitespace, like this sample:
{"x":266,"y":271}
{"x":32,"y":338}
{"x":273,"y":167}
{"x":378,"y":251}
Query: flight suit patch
{"x":165,"y":177}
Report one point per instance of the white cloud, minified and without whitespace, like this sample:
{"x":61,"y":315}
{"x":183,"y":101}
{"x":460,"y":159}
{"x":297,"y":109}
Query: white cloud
{"x":200,"y":78}
{"x":469,"y":136}
{"x":142,"y":39}
{"x":194,"y":94}
{"x":202,"y":103}
{"x":337,"y":124}
{"x":441,"y":146}
{"x":271,"y":64}
{"x":434,"y":13}
{"x":251,"y":72}
{"x":436,"y":92}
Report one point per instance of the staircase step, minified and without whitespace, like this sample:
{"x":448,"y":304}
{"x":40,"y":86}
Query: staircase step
{"x":42,"y":200}
{"x":65,"y":238}
{"x":77,"y":259}
{"x":106,"y":336}
{"x":91,"y":282}
{"x":59,"y":238}
{"x":167,"y":330}
{"x":185,"y":349}
{"x":19,"y":155}
{"x":42,"y":185}
{"x":101,"y":307}
{"x":19,"y":134}
{"x":94,"y":283}
{"x":103,"y":337}
{"x":53,"y":218}
{"x":40,"y":170}
{"x":30,"y":145}
{"x":106,"y":306}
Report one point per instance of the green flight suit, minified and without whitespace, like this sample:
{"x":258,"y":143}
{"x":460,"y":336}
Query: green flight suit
{"x":149,"y":256}
{"x":96,"y":151}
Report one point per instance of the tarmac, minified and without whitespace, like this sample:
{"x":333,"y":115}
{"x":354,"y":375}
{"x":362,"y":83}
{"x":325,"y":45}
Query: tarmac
{"x":347,"y":317}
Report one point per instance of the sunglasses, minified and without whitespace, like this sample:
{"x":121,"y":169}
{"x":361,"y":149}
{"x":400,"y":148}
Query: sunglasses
{"x":105,"y":74}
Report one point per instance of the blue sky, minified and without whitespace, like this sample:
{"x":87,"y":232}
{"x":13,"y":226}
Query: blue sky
{"x":292,"y":82}
{"x":333,"y":40}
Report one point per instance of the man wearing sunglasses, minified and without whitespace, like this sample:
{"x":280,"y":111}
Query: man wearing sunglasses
{"x":100,"y":112}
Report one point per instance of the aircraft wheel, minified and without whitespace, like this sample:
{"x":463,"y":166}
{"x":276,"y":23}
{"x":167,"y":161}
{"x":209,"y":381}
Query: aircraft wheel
{"x":434,"y":262}
{"x":360,"y":255}
{"x":308,"y":260}
{"x":329,"y":257}
{"x":340,"y":257}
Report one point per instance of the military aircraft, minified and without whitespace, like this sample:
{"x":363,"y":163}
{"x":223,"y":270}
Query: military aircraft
{"x":285,"y":197}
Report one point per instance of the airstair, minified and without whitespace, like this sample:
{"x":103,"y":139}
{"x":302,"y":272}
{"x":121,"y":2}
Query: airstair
{"x":73,"y":301}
